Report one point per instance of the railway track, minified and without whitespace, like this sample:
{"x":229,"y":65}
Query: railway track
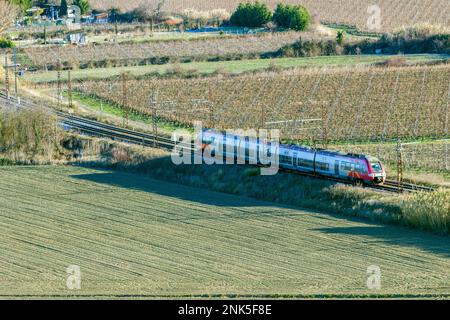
{"x":100,"y":129}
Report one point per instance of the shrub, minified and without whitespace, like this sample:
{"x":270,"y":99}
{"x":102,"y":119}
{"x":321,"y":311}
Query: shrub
{"x":28,"y":136}
{"x":292,"y":17}
{"x":6,"y":43}
{"x":394,"y":62}
{"x":340,"y":37}
{"x":251,"y":15}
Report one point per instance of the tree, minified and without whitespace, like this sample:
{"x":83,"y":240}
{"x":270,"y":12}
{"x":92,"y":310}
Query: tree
{"x":292,"y":17}
{"x":149,"y":11}
{"x":63,"y":8}
{"x":8,"y":13}
{"x":251,"y":15}
{"x":23,"y":4}
{"x":83,"y":5}
{"x":340,"y":37}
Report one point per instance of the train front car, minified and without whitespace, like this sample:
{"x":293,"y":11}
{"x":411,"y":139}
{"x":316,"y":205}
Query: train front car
{"x":349,"y":166}
{"x":377,"y":174}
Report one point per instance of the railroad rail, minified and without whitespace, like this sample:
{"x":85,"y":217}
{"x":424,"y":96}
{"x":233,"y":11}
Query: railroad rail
{"x":100,"y":129}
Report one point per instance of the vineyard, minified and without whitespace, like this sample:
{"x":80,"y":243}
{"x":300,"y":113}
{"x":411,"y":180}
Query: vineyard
{"x":431,"y":156}
{"x":137,"y":52}
{"x":334,"y":104}
{"x":394,"y":14}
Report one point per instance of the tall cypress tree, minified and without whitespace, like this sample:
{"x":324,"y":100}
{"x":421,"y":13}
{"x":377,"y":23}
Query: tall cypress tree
{"x":63,"y":8}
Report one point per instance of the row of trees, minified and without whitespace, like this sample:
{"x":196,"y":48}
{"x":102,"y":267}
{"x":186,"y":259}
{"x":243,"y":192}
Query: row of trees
{"x":257,"y":14}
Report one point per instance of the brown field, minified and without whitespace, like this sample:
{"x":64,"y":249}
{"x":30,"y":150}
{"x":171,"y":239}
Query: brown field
{"x":354,"y":12}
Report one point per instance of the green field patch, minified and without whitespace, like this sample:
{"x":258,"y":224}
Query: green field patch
{"x":233,"y":67}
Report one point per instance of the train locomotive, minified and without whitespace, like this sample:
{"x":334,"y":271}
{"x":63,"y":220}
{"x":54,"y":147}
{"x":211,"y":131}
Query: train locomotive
{"x":353,"y":167}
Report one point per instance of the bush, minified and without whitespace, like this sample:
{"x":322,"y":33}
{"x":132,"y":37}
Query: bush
{"x":251,"y":15}
{"x":28,"y":136}
{"x":6,"y":43}
{"x":292,"y":17}
{"x":394,"y":62}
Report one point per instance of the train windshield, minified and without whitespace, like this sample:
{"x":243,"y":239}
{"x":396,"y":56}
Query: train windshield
{"x":376,"y":166}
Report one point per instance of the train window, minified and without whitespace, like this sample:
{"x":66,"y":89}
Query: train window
{"x":323,"y":166}
{"x":305,"y":163}
{"x":284,"y":158}
{"x":376,"y":166}
{"x":347,"y":166}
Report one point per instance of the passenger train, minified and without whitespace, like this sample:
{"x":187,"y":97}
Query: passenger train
{"x":353,"y":167}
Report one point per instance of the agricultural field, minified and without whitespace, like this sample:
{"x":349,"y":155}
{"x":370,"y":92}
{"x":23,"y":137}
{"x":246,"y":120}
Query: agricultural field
{"x":230,"y":67}
{"x":348,"y":104}
{"x":394,"y":14}
{"x":76,"y":192}
{"x":135,"y":236}
{"x":138,"y":52}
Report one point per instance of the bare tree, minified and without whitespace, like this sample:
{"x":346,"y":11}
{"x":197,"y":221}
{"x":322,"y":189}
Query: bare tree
{"x":150,"y":10}
{"x":8,"y":13}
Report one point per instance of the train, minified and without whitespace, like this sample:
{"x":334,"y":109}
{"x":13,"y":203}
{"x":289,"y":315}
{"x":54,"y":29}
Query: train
{"x":357,"y":168}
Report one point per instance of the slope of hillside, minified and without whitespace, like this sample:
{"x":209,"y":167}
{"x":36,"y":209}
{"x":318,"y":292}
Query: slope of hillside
{"x":136,"y":236}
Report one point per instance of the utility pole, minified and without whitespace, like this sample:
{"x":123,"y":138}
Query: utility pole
{"x":211,"y":115}
{"x":399,"y":160}
{"x":153,"y":105}
{"x":59,"y":91}
{"x":324,"y":128}
{"x":15,"y":72}
{"x":124,"y":99}
{"x":6,"y":77}
{"x":211,"y":109}
{"x":69,"y":87}
{"x":263,"y":116}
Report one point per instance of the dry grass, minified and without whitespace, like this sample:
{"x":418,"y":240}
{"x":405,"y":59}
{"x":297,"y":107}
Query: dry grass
{"x":429,"y":211}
